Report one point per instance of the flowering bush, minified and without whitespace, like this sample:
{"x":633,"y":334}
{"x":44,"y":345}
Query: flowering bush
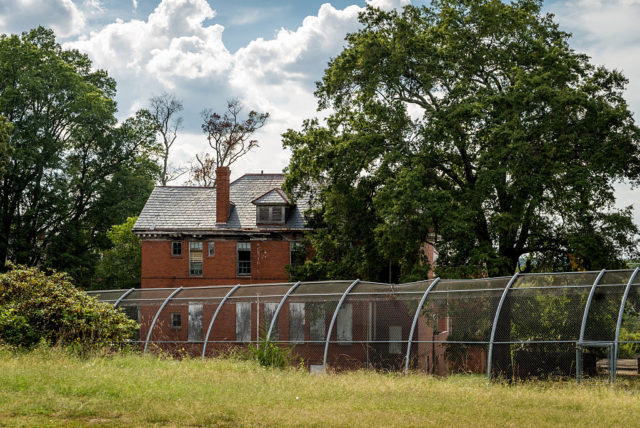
{"x":37,"y":306}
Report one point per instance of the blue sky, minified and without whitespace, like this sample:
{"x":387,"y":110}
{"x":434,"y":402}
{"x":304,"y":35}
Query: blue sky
{"x":268,"y":54}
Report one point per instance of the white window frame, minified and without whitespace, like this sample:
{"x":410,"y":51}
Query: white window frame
{"x":243,"y":246}
{"x":211,"y":249}
{"x":201,"y":262}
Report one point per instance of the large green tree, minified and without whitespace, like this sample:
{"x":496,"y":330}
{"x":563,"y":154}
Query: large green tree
{"x":70,"y":171}
{"x":120,"y":266}
{"x":471,"y":124}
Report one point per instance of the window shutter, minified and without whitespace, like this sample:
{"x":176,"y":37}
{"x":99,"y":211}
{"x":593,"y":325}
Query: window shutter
{"x":263,"y":214}
{"x":276,"y":214}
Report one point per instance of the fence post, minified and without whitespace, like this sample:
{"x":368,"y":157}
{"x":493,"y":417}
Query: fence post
{"x":583,"y":326}
{"x":275,"y":314}
{"x":126,"y":293}
{"x":415,"y":321}
{"x":614,"y":366}
{"x":215,"y":315}
{"x":333,"y":320}
{"x":495,"y":323}
{"x":155,"y":318}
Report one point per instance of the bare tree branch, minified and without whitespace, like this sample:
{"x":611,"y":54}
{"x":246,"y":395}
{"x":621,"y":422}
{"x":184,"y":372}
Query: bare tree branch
{"x":164,"y":109}
{"x":230,"y":138}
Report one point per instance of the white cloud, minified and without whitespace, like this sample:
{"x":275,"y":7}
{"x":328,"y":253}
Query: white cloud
{"x":62,"y":15}
{"x":607,"y":30}
{"x":173,"y":49}
{"x":169,"y":50}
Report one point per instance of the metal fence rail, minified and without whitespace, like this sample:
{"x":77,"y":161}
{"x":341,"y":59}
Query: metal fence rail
{"x":575,"y":324}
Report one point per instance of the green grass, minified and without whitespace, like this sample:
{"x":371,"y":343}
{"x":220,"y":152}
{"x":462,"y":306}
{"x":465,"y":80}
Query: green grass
{"x":51,"y":388}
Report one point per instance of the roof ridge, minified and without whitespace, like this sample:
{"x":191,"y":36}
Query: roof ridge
{"x":183,"y":187}
{"x":246,"y":174}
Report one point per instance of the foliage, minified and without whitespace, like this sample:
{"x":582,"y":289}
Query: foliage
{"x":120,"y":266}
{"x":471,"y":125}
{"x":163,"y":110}
{"x":229,"y":136}
{"x":270,"y":354}
{"x":36,"y":306}
{"x":70,"y":171}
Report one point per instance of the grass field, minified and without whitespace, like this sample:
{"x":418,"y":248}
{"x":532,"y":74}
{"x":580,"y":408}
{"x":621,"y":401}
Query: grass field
{"x":51,"y":388}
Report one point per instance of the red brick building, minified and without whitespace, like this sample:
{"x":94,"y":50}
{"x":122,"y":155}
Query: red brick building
{"x":240,"y":232}
{"x":247,"y":232}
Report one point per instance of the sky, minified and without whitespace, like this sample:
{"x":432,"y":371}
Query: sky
{"x":269,"y":54}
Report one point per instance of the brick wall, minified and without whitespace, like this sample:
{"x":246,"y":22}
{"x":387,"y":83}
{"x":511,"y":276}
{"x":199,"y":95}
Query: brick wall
{"x":161,"y":269}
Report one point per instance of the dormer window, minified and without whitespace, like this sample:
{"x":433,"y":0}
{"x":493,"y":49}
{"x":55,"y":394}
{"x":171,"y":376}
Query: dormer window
{"x":270,"y":214}
{"x":271,"y":208}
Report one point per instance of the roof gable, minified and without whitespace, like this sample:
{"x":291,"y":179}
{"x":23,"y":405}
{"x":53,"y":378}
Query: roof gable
{"x":274,"y":196}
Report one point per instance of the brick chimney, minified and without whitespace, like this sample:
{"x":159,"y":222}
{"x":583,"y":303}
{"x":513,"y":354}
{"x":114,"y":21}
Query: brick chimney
{"x":222,"y":194}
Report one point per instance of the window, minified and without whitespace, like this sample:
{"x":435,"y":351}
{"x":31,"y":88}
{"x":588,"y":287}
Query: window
{"x":263,"y":214}
{"x":243,"y":321}
{"x":195,"y":258}
{"x":395,"y":338}
{"x":244,"y":258}
{"x":269,"y":310}
{"x":317,"y":321}
{"x":296,"y":322}
{"x":176,"y":320}
{"x":176,"y":249}
{"x":276,"y":214}
{"x":344,"y":331}
{"x":133,"y":313}
{"x":297,"y":253}
{"x":270,"y":214}
{"x":195,"y":322}
{"x":210,"y":248}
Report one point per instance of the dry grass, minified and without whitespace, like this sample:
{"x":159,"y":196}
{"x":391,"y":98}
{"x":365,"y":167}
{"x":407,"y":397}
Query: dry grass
{"x":51,"y":388}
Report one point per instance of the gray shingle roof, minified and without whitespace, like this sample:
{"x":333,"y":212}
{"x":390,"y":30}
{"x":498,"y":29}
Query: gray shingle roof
{"x":187,"y":209}
{"x":272,"y":197}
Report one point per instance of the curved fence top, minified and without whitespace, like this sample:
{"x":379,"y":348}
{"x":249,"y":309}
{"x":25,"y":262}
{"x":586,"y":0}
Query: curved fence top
{"x":537,"y":307}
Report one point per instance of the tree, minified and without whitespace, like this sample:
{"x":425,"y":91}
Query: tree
{"x":70,"y":171}
{"x":36,"y":306}
{"x":164,"y":109}
{"x":229,"y":137}
{"x":121,"y":264}
{"x":473,"y":122}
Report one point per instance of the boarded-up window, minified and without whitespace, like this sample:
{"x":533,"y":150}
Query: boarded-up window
{"x":195,"y":322}
{"x":296,"y":322}
{"x":316,"y":316}
{"x":395,"y":338}
{"x":243,"y":321}
{"x":269,"y":310}
{"x":344,"y":329}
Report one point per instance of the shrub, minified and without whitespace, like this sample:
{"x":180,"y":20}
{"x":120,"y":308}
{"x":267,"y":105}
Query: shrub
{"x":37,"y":306}
{"x":270,"y":354}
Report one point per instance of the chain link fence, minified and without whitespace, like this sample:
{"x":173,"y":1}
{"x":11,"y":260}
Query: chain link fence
{"x":583,"y":325}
